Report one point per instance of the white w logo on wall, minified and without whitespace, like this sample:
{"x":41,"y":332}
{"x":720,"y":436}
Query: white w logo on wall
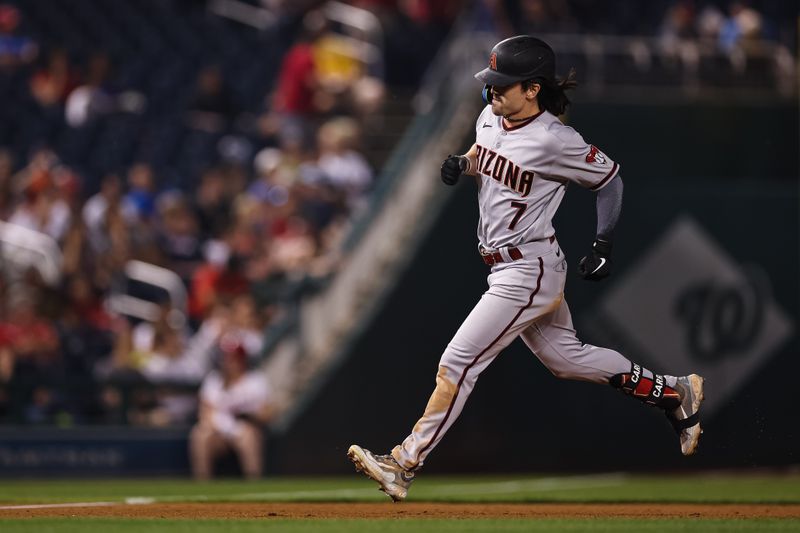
{"x":688,"y":306}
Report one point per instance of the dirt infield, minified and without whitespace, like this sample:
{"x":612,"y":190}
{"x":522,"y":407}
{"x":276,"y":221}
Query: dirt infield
{"x":408,"y":510}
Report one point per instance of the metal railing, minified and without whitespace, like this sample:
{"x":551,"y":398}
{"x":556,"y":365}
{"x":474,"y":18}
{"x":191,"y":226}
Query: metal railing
{"x":642,"y":68}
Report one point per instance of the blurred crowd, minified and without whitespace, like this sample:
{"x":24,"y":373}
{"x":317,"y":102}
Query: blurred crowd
{"x":261,"y":221}
{"x":728,"y":22}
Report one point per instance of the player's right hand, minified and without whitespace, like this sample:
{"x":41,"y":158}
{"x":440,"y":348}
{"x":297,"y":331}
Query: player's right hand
{"x":453,"y":167}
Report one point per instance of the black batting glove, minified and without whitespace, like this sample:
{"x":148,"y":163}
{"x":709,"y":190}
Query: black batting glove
{"x":453,"y":167}
{"x":596,"y":265}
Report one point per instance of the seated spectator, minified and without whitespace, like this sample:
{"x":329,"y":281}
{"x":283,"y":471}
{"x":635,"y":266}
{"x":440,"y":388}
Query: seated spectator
{"x":140,"y":201}
{"x":51,"y":85}
{"x":92,"y":99}
{"x":245,"y":326}
{"x":217,"y":280}
{"x":28,"y":342}
{"x":234,"y":406}
{"x":96,"y":97}
{"x":178,"y":235}
{"x":96,"y":208}
{"x":292,"y":252}
{"x":343,"y":168}
{"x":159,"y":353}
{"x":212,"y":203}
{"x":15,"y":49}
{"x":742,"y":28}
{"x":212,"y":106}
{"x":43,"y":209}
{"x":136,"y":345}
{"x":296,"y":98}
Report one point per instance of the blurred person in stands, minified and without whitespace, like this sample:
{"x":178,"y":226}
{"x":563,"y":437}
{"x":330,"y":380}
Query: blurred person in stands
{"x":138,"y":212}
{"x":15,"y":49}
{"x":219,"y":279}
{"x":29,"y":347}
{"x":185,"y":361}
{"x":349,"y":78}
{"x":96,"y":209}
{"x":292,"y":251}
{"x":678,"y":32}
{"x":235,"y":404}
{"x":153,"y":352}
{"x":43,"y":208}
{"x":275,"y":169}
{"x":177,"y":233}
{"x":85,"y":337}
{"x":245,"y":326}
{"x":246,"y":234}
{"x":139,"y":202}
{"x":51,"y":85}
{"x":295,"y":100}
{"x":212,"y":106}
{"x":743,"y":28}
{"x":343,"y":167}
{"x":135,"y":345}
{"x":110,"y":238}
{"x":710,"y":21}
{"x":83,"y":324}
{"x":78,"y":256}
{"x":96,"y":97}
{"x":92,"y":99}
{"x":211,"y":203}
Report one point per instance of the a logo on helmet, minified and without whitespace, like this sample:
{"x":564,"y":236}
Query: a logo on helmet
{"x":493,"y":61}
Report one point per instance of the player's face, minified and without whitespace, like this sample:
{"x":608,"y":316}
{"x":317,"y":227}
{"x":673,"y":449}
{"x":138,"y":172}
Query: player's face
{"x":511,"y":100}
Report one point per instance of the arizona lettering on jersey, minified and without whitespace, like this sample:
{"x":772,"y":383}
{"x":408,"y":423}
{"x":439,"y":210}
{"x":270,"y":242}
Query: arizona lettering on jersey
{"x":504,"y":170}
{"x":524,"y":171}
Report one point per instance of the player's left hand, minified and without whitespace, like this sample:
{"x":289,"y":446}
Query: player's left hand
{"x":596,"y":265}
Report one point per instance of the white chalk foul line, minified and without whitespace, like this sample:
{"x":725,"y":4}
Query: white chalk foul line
{"x":126,"y":501}
{"x":57,"y":505}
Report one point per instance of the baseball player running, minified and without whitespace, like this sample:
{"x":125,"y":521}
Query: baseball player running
{"x":522,"y":160}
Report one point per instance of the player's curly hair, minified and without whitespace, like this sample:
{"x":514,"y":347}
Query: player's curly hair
{"x":552,"y":95}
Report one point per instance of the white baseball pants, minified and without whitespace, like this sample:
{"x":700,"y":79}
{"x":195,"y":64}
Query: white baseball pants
{"x":525,"y":298}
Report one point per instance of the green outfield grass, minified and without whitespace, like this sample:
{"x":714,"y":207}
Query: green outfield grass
{"x":722,"y":488}
{"x":706,"y":488}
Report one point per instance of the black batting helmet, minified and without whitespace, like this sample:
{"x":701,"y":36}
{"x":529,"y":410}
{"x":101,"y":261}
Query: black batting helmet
{"x":519,"y":58}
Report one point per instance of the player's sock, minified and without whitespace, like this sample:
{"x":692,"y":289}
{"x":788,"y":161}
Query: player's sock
{"x":648,"y":387}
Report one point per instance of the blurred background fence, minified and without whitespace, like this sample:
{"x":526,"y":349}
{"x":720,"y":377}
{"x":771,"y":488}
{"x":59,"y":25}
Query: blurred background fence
{"x":185,"y":181}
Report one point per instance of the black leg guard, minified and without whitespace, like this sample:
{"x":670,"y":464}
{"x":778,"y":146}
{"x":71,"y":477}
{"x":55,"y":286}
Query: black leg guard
{"x":653,"y":391}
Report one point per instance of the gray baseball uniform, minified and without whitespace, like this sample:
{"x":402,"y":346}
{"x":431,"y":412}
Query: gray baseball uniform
{"x":523,"y":173}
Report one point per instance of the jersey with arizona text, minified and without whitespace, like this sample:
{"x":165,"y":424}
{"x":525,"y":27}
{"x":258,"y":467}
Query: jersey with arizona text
{"x":523,"y":172}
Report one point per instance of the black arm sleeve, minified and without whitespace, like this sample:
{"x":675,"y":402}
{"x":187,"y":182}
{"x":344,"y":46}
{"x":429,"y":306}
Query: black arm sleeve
{"x":609,"y":205}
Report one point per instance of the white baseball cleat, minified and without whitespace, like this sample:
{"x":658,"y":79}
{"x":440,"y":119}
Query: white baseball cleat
{"x":393,"y":479}
{"x":686,"y":418}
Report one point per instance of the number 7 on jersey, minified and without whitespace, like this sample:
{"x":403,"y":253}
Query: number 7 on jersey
{"x":520,"y":207}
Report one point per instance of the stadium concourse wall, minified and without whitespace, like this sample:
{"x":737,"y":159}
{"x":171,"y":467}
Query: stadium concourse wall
{"x":706,"y":264}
